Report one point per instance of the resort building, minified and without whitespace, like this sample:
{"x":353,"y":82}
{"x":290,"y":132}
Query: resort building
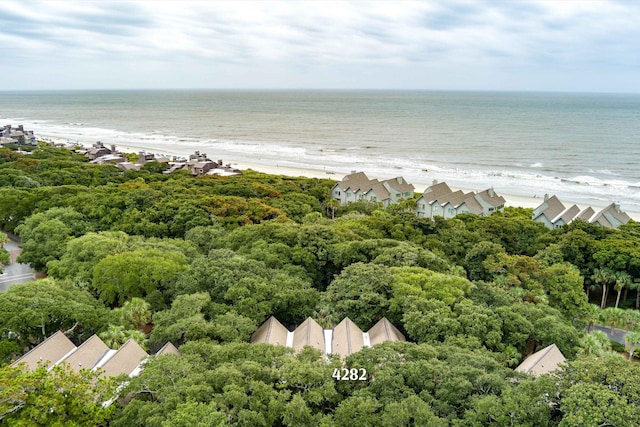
{"x":554,"y":214}
{"x":345,"y":339}
{"x":439,"y":200}
{"x":358,"y":187}
{"x":92,"y":354}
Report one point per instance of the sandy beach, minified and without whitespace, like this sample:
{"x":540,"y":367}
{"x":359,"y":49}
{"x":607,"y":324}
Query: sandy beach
{"x":331,"y":172}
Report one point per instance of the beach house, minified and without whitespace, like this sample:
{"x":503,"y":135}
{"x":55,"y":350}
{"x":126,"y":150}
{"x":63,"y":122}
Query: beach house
{"x":439,"y":200}
{"x":554,"y":214}
{"x":358,"y":187}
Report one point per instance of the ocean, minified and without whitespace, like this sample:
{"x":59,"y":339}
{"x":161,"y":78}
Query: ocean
{"x":581,"y":147}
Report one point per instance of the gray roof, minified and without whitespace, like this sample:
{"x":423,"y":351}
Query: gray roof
{"x":491,"y":197}
{"x":400,"y":184}
{"x":384,"y":331}
{"x":270,"y":332}
{"x":435,"y":191}
{"x":309,"y":333}
{"x":542,"y":362}
{"x":125,"y":360}
{"x":50,"y":351}
{"x":567,"y":215}
{"x":554,"y":207}
{"x":347,"y":338}
{"x":88,"y":354}
{"x":168,"y":348}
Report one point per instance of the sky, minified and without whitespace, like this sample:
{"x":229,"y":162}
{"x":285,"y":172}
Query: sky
{"x":511,"y":45}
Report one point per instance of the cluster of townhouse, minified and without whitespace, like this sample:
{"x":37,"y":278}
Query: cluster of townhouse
{"x":92,"y":354}
{"x":344,"y":339}
{"x":16,"y":135}
{"x":197,"y":164}
{"x":554,"y":214}
{"x":357,"y":186}
{"x":437,"y":200}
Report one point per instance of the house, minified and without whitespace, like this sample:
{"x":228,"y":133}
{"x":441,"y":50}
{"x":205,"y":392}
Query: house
{"x":439,"y":200}
{"x":550,"y":209}
{"x":345,"y":339}
{"x":92,"y":354}
{"x":553,"y":214}
{"x":357,"y":186}
{"x":611,"y":216}
{"x":424,"y":204}
{"x":309,"y":333}
{"x":542,"y":362}
{"x":11,"y":135}
{"x":98,"y":150}
{"x":490,"y":201}
{"x":346,"y":190}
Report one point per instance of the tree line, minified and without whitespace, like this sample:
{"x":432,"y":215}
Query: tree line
{"x":202,"y":262}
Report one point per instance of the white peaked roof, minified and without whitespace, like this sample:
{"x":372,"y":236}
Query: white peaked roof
{"x":542,"y":362}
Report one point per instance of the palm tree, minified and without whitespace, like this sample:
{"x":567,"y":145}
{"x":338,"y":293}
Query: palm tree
{"x":635,"y":285}
{"x":603,"y":276}
{"x":612,"y":316}
{"x":633,"y":340}
{"x":622,"y":279}
{"x":114,"y":337}
{"x":332,"y":204}
{"x":137,"y":312}
{"x":595,"y":343}
{"x":591,"y":315}
{"x":631,"y":319}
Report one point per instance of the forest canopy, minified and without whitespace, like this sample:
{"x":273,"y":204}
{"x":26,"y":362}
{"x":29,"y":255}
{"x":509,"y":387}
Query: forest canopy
{"x":203,"y":261}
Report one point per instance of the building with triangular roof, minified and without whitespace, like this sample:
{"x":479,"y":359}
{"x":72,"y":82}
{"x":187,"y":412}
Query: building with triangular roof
{"x":347,"y":338}
{"x":309,"y":333}
{"x":49,"y":351}
{"x":553,"y":214}
{"x":542,"y":362}
{"x":270,"y":332}
{"x":384,"y":331}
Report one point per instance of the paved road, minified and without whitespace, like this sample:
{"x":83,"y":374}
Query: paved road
{"x":15,"y":273}
{"x":617,"y":336}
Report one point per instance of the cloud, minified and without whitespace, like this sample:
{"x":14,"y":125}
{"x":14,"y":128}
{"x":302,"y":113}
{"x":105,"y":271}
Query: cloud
{"x":451,"y":36}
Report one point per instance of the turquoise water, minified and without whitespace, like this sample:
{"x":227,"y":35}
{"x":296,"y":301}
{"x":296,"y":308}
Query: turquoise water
{"x":582,"y":147}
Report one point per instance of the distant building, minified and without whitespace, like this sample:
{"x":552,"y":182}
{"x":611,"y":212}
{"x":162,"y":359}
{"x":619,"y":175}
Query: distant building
{"x":345,"y":339}
{"x":439,"y":200}
{"x":358,"y":187}
{"x":17,"y":135}
{"x":554,"y":214}
{"x":542,"y":362}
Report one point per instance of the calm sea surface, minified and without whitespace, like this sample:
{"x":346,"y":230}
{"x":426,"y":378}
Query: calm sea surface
{"x":582,"y":147}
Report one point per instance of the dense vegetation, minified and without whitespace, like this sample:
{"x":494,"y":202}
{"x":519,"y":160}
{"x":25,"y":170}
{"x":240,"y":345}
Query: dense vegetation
{"x":202,"y":262}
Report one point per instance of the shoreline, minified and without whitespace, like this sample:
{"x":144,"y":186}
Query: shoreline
{"x":337,"y":173}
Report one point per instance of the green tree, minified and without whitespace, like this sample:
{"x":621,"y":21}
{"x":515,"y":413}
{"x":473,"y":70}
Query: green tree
{"x":361,"y":292}
{"x":144,"y":273}
{"x":595,"y":343}
{"x":603,"y":277}
{"x":622,"y":280}
{"x":33,"y":311}
{"x":564,"y":286}
{"x":55,"y":398}
{"x":633,"y":341}
{"x":183,"y":322}
{"x":136,"y":313}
